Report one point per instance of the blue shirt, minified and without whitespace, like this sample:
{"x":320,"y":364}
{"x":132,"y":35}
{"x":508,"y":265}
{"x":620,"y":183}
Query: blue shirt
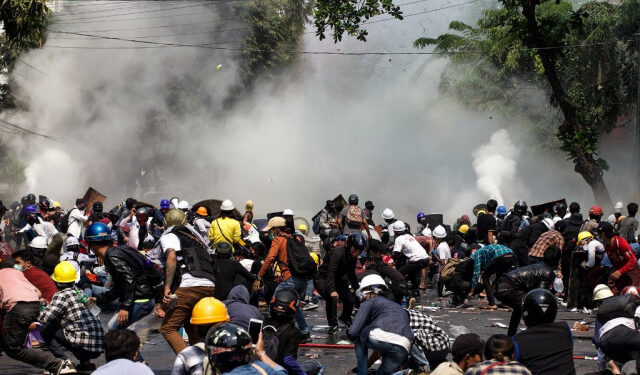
{"x":379,"y":312}
{"x":484,"y":256}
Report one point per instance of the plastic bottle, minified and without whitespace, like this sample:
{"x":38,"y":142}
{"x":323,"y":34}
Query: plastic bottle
{"x":404,"y":302}
{"x":558,"y":285}
{"x":84,"y":299}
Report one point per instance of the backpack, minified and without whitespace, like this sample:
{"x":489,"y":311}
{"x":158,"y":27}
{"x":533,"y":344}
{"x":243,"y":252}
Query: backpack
{"x":146,"y":267}
{"x":64,"y":222}
{"x":449,"y":269}
{"x":300,"y":262}
{"x":618,"y":307}
{"x":316,"y":224}
{"x":354,"y":216}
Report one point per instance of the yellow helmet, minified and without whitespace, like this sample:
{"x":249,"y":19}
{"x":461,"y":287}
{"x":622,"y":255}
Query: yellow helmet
{"x":303,"y":228}
{"x":583,"y":235}
{"x":315,"y":257}
{"x":64,"y":272}
{"x":481,"y":212}
{"x":56,"y":204}
{"x":174,"y":217}
{"x":208,"y":311}
{"x":464,"y":228}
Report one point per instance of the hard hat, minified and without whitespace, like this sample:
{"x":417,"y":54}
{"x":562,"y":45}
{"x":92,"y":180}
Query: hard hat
{"x":64,"y":272}
{"x":248,"y":205}
{"x":175,"y":202}
{"x":398,"y":226}
{"x":464,"y":228}
{"x":97,"y":232}
{"x":520,"y":207}
{"x":174,"y":217}
{"x":601,"y":292}
{"x":611,"y":219}
{"x":372,"y":280}
{"x":630,"y":290}
{"x":357,"y":241}
{"x":315,"y":257}
{"x":71,"y":241}
{"x":539,"y":307}
{"x":183,"y":205}
{"x":284,"y":303}
{"x":583,"y":235}
{"x":30,"y":208}
{"x":353,"y":199}
{"x":56,"y":204}
{"x":618,"y":207}
{"x":226,"y":205}
{"x":387,"y":214}
{"x":275,"y":222}
{"x":208,"y":311}
{"x":39,"y":242}
{"x":502,"y":210}
{"x":440,"y":232}
{"x":202,"y":211}
{"x":548,"y":222}
{"x":426,"y":232}
{"x":287,"y":212}
{"x":145,"y":210}
{"x":595,"y":211}
{"x":229,"y":344}
{"x":481,"y":212}
{"x":303,"y":228}
{"x":421,"y":215}
{"x":164,"y":203}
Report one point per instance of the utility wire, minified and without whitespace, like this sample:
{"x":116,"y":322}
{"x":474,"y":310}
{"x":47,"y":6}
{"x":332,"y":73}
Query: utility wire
{"x":32,"y":67}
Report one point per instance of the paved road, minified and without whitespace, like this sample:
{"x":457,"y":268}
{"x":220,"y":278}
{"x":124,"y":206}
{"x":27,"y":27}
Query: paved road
{"x":337,"y":361}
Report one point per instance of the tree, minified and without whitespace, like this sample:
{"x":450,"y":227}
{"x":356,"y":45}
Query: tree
{"x":348,"y":16}
{"x":583,"y":59}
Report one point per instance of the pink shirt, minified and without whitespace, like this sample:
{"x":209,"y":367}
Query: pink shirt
{"x":14,"y":288}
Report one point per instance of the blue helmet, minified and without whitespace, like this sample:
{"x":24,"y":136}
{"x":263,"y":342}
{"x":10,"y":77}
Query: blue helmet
{"x":502,"y":210}
{"x":30,"y":208}
{"x":421,"y":215}
{"x":97,"y":232}
{"x":164,"y":203}
{"x":357,"y":240}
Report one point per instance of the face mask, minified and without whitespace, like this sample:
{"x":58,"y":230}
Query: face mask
{"x":18,"y":267}
{"x":271,"y":236}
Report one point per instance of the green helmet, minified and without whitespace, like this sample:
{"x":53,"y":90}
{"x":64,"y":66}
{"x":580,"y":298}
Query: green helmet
{"x":174,"y":217}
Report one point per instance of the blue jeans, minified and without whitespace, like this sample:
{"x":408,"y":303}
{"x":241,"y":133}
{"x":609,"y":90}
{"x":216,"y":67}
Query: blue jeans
{"x":137,"y":311}
{"x":392,"y":356}
{"x":298,"y":284}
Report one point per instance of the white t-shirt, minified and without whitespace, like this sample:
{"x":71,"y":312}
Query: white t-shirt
{"x":594,"y":247}
{"x":627,"y":322}
{"x":76,"y":219}
{"x":202,"y":226}
{"x":410,"y":248}
{"x":171,"y":241}
{"x":247,"y":263}
{"x":444,"y":252}
{"x":82,"y":258}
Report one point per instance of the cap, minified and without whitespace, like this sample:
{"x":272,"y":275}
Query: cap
{"x":275,"y":222}
{"x":468,"y":343}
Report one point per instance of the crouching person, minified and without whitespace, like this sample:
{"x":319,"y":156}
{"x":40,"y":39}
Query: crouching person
{"x":67,"y":322}
{"x":431,"y":345}
{"x":381,"y":325}
{"x":465,"y":352}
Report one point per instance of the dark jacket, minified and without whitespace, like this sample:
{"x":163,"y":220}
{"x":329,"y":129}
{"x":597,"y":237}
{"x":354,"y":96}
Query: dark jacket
{"x":570,"y":233}
{"x":523,"y":241}
{"x":546,"y":349}
{"x":379,"y":312}
{"x":397,"y":284}
{"x":341,"y":264}
{"x":226,"y":271}
{"x":239,"y":309}
{"x":510,"y":228}
{"x":530,"y":277}
{"x":129,"y":281}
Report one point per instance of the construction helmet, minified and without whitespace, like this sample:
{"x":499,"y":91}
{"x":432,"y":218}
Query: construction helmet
{"x":398,"y":226}
{"x":97,"y":232}
{"x":248,"y":205}
{"x":440,"y":232}
{"x":618,"y":207}
{"x":39,"y":242}
{"x":420,"y":216}
{"x":183,"y":205}
{"x":56,"y":204}
{"x":174,"y":217}
{"x":481,"y":212}
{"x":353,"y":199}
{"x":520,"y":207}
{"x":372,"y":280}
{"x":303,"y":228}
{"x":208,"y":311}
{"x":226,"y":205}
{"x":583,"y":235}
{"x":202,"y":211}
{"x":502,"y":210}
{"x":630,"y":290}
{"x":287,"y":212}
{"x":284,"y":302}
{"x":601,"y":292}
{"x":539,"y":307}
{"x":426,"y":232}
{"x":387,"y":214}
{"x":165,"y":203}
{"x":315,"y":257}
{"x":595,"y":211}
{"x":464,"y":228}
{"x":64,"y":272}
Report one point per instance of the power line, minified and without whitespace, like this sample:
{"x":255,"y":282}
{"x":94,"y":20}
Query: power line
{"x":31,"y":66}
{"x":12,"y":126}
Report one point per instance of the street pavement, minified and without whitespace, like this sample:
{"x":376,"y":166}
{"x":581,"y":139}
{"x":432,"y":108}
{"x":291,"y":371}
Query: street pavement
{"x":338,"y":361}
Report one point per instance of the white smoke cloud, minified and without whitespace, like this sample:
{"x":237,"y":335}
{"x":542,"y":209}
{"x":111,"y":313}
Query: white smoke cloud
{"x":495,"y":165}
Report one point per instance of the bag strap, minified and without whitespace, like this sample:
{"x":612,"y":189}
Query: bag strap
{"x":222,"y":233}
{"x":260,"y":369}
{"x":486,"y":369}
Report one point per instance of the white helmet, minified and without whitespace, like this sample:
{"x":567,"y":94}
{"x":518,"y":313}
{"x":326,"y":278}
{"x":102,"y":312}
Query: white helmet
{"x":39,"y":242}
{"x":175,"y":202}
{"x":372,"y":280}
{"x":183,"y":205}
{"x":548,"y":223}
{"x":226,"y":205}
{"x":618,"y":207}
{"x":387,"y":214}
{"x":612,"y":219}
{"x":398,"y":226}
{"x":601,"y":291}
{"x":426,"y":232}
{"x":71,"y":241}
{"x":439,"y":232}
{"x":287,"y":212}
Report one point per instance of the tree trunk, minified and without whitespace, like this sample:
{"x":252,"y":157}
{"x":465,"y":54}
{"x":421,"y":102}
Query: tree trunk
{"x":585,"y":164}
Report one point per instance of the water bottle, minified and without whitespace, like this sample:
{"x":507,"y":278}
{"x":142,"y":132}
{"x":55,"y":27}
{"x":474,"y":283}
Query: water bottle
{"x":404,"y":302}
{"x":84,"y":299}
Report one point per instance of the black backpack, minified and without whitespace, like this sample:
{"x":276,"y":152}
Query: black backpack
{"x":300,"y":262}
{"x":618,"y":307}
{"x":64,"y":222}
{"x":144,"y":265}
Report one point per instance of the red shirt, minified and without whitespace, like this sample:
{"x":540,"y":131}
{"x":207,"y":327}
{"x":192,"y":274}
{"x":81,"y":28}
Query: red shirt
{"x":621,"y":255}
{"x":42,"y":281}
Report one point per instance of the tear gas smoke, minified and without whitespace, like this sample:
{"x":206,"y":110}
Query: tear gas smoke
{"x":495,"y":165}
{"x":373,"y":125}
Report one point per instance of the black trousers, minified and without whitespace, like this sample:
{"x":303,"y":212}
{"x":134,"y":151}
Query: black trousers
{"x":512,"y":297}
{"x":331,"y":303}
{"x":54,"y":337}
{"x":622,"y":344}
{"x":413,"y":272}
{"x":497,"y":267}
{"x":14,"y":333}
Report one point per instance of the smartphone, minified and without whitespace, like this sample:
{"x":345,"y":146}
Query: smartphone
{"x":255,"y":327}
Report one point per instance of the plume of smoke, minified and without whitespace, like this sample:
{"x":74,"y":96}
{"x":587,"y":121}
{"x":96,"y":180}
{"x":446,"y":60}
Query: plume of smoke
{"x":495,"y":165}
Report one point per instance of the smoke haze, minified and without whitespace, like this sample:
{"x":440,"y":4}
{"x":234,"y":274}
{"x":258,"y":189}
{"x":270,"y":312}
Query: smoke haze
{"x":374,"y":125}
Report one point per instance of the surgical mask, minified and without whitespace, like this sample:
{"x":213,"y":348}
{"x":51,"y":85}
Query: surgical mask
{"x":18,"y":267}
{"x":271,"y":236}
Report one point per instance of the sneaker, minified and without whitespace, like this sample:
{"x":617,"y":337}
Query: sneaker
{"x":575,"y":309}
{"x":346,"y":323}
{"x":306,"y":338}
{"x":66,"y":367}
{"x":310,"y":306}
{"x":332,"y":330}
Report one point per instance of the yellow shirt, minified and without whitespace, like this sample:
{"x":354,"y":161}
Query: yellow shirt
{"x":230,"y":231}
